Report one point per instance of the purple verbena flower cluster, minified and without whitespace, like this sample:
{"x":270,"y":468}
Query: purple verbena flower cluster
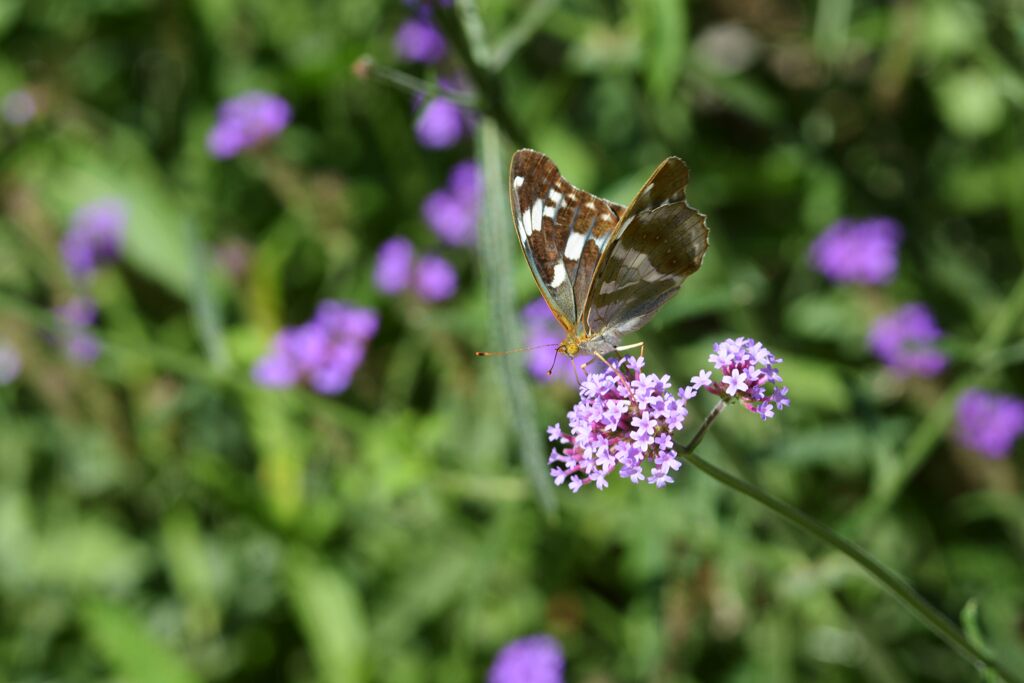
{"x":542,"y":330}
{"x":75,"y":318}
{"x":94,"y":237}
{"x":989,"y":423}
{"x":864,"y":251}
{"x":247,"y":121}
{"x":452,"y":211}
{"x":531,"y":659}
{"x":324,"y":352}
{"x":905,"y":341}
{"x":748,"y":375}
{"x":620,"y":423}
{"x":397,"y":268}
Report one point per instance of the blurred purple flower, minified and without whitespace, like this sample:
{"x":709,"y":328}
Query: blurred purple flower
{"x":748,"y":375}
{"x":452,"y":211}
{"x":440,"y":124}
{"x":392,"y":270}
{"x":904,"y":340}
{"x":532,"y":659}
{"x":620,"y":426}
{"x":82,"y":346}
{"x":324,"y":352}
{"x":10,"y":363}
{"x":76,"y":317}
{"x":344,"y":320}
{"x":543,"y":330}
{"x":94,"y":237}
{"x":247,"y":121}
{"x":19,"y":107}
{"x":989,"y":423}
{"x":434,"y":279}
{"x":78,"y":312}
{"x":419,"y":40}
{"x":864,"y":251}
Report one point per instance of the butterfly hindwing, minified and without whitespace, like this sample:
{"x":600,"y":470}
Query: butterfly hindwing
{"x":562,"y":230}
{"x":658,"y":243}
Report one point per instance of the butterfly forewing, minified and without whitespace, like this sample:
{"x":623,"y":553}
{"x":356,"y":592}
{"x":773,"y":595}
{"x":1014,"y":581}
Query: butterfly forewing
{"x":658,"y":243}
{"x":562,"y":230}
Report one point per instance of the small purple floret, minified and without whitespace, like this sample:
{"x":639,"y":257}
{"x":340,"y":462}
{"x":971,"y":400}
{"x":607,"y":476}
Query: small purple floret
{"x":247,"y":121}
{"x":864,"y":251}
{"x":76,"y":317}
{"x":419,"y":40}
{"x":434,"y":279}
{"x":440,"y":124}
{"x":905,"y":341}
{"x":989,"y":423}
{"x":324,"y":352}
{"x":748,"y":375}
{"x":452,"y":211}
{"x":94,"y":237}
{"x":392,"y":271}
{"x":532,"y":659}
{"x":624,"y":421}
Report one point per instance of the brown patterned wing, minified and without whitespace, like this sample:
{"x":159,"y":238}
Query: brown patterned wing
{"x":562,"y":230}
{"x":660,"y":241}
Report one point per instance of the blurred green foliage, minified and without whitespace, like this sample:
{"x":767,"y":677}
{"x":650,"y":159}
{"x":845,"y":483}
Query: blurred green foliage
{"x":164,"y":519}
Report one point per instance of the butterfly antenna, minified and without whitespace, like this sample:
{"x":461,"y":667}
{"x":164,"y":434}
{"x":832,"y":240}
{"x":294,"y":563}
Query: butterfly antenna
{"x":553,"y":361}
{"x":511,"y":351}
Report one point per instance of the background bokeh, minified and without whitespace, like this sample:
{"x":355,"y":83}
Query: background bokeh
{"x":165,"y":517}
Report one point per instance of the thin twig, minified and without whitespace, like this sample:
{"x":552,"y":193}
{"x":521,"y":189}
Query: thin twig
{"x":367,"y":67}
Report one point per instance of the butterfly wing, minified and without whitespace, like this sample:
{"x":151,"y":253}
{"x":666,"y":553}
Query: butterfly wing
{"x":659,"y":242}
{"x":562,"y":230}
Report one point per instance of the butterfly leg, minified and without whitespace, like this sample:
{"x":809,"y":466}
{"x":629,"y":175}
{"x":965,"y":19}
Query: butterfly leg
{"x":638,"y":345}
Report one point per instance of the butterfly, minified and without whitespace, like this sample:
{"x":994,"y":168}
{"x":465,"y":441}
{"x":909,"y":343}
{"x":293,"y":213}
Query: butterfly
{"x":604,"y":269}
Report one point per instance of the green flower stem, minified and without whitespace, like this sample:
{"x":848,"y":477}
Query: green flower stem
{"x":904,"y":593}
{"x":367,"y":67}
{"x":470,"y":46}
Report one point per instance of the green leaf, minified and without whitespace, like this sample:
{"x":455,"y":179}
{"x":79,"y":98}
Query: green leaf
{"x":663,"y":28}
{"x":331,"y":617}
{"x":123,"y":640}
{"x":970,"y":103}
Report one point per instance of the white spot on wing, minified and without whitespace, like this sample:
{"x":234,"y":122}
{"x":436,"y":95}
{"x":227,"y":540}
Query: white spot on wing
{"x":518,"y":181}
{"x":590,"y":205}
{"x":533,"y":225}
{"x":574,"y":247}
{"x":554,"y":197}
{"x":559,"y":275}
{"x":550,"y":210}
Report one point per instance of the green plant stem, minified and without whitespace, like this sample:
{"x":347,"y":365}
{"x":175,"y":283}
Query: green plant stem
{"x":495,"y":247}
{"x":904,"y":593}
{"x":492,"y":99}
{"x":367,"y":67}
{"x":705,"y":425}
